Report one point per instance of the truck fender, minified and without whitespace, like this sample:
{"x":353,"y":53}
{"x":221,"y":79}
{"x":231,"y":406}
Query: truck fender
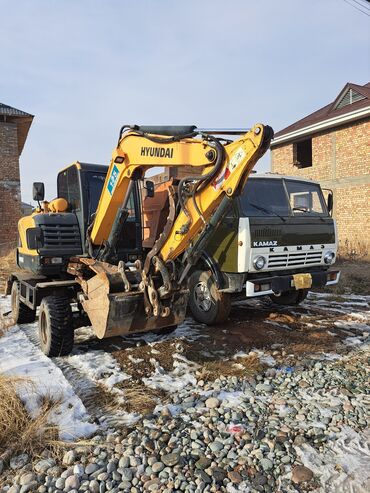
{"x":212,"y":265}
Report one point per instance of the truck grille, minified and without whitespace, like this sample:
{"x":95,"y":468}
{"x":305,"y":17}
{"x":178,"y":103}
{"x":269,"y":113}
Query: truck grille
{"x":66,"y":236}
{"x":295,"y":259}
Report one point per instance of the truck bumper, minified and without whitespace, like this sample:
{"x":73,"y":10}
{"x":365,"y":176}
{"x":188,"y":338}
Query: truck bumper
{"x":279,"y":284}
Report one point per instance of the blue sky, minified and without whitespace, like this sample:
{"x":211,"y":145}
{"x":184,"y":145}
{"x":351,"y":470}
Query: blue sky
{"x":85,"y":67}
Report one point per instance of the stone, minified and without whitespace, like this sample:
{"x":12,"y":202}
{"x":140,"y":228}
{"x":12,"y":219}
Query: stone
{"x":266,"y":464}
{"x":28,"y":487}
{"x":170,"y":459}
{"x":234,"y":477}
{"x":126,"y":473}
{"x":72,"y":482}
{"x":27,"y":478}
{"x":103,"y":476}
{"x":1,"y":466}
{"x":91,"y":468}
{"x":94,"y":486}
{"x":152,"y":485}
{"x":157,"y":467}
{"x":14,"y":489}
{"x":54,"y":471}
{"x":19,"y":461}
{"x":212,"y":402}
{"x":216,"y":446}
{"x":78,"y":469}
{"x":60,"y":483}
{"x":300,"y":474}
{"x":69,"y":457}
{"x":262,"y":387}
{"x":43,"y":465}
{"x":203,"y":462}
{"x":204,"y":477}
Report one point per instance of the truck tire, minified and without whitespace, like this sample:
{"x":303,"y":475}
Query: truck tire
{"x":21,"y":313}
{"x":206,"y":303}
{"x":56,"y":326}
{"x":290,"y":297}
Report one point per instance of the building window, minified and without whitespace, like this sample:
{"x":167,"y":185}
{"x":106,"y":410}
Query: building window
{"x":303,"y":153}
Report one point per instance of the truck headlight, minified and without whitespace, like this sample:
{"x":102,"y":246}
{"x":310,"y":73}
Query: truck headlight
{"x":259,"y":262}
{"x":329,"y":257}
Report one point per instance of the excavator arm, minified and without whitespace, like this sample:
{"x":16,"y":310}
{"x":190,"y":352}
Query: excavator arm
{"x":120,"y":298}
{"x":224,"y":170}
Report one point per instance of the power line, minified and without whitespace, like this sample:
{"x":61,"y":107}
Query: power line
{"x":354,"y":6}
{"x":362,"y":4}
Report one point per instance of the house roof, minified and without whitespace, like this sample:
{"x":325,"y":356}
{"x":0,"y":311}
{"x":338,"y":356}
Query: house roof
{"x":353,"y":102}
{"x":21,"y":118}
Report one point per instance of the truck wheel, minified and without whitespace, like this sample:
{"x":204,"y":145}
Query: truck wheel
{"x":21,"y":313}
{"x":56,"y":326}
{"x":290,"y":297}
{"x":207,"y":304}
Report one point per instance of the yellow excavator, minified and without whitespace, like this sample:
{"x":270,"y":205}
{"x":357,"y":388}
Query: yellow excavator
{"x":81,"y":255}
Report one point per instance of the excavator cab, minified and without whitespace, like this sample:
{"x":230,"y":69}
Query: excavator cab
{"x":56,"y":230}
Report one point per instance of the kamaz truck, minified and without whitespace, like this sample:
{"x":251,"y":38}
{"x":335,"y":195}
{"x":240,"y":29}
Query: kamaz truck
{"x":277,"y":240}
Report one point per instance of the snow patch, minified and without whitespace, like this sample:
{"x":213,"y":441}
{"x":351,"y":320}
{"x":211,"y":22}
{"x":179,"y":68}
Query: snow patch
{"x":19,"y":357}
{"x":100,"y":366}
{"x":343,"y":465}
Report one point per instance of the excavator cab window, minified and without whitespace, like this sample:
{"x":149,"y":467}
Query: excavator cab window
{"x":69,"y":188}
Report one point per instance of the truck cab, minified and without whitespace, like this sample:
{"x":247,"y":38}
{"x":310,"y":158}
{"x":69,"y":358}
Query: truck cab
{"x":278,"y":240}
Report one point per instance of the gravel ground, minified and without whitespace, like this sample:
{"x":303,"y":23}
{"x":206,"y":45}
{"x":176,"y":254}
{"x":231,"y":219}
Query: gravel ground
{"x":276,"y":400}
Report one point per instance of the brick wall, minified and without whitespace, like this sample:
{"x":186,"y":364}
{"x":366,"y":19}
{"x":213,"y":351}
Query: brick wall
{"x":340,"y":161}
{"x":10,"y":197}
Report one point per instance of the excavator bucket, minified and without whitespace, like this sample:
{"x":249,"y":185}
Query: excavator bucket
{"x":113,"y":311}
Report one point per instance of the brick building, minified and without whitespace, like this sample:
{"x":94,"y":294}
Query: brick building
{"x":14,"y":127}
{"x":331,"y":146}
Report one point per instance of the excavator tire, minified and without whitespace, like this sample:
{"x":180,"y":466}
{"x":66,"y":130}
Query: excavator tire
{"x":290,"y":297}
{"x":206,"y":303}
{"x":56,"y":326}
{"x":21,"y":313}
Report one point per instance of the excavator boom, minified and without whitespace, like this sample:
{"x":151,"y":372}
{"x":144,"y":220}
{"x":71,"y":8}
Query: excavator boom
{"x":137,"y":152}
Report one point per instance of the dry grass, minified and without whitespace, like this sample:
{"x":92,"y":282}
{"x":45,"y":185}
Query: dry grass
{"x":18,"y":431}
{"x":7,"y":265}
{"x":142,"y":399}
{"x":240,"y":367}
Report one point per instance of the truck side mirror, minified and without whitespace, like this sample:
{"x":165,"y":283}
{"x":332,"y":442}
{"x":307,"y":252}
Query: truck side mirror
{"x":38,"y":191}
{"x":149,"y":185}
{"x":330,"y":202}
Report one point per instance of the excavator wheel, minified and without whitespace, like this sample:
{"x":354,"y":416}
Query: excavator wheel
{"x":56,"y":326}
{"x":290,"y":297}
{"x":206,"y":303}
{"x":21,"y":313}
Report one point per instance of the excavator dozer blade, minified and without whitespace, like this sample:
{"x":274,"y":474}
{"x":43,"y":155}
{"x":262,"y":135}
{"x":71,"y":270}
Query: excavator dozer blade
{"x":112,"y":311}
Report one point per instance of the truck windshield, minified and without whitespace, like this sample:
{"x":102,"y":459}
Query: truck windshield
{"x":264,"y":197}
{"x":282,"y":197}
{"x":305,"y":198}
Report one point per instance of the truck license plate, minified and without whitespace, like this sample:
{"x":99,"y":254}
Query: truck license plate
{"x":302,"y":281}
